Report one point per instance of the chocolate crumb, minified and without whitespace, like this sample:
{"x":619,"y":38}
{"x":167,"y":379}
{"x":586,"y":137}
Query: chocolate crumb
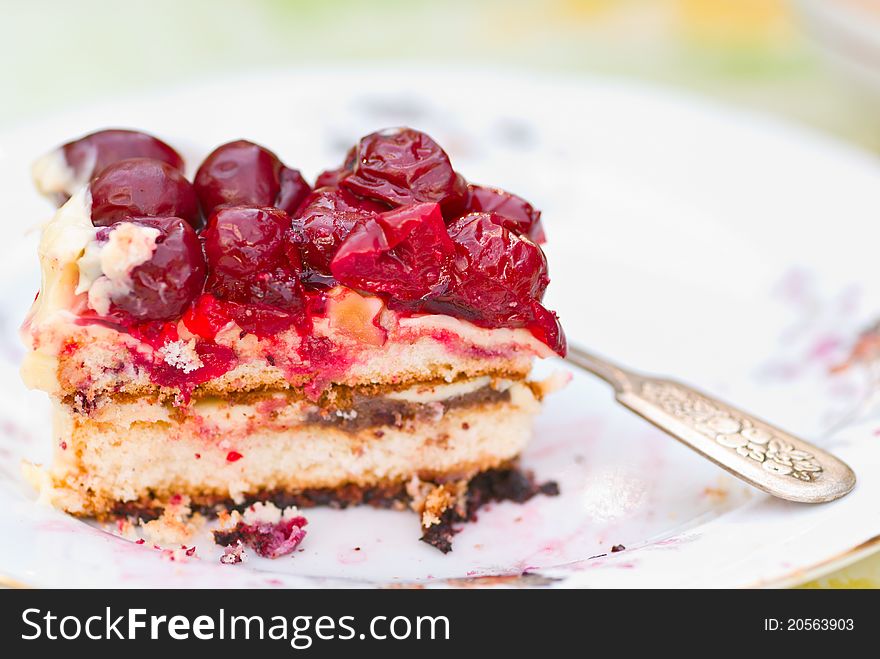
{"x":617,"y":548}
{"x":490,"y":486}
{"x":503,"y":484}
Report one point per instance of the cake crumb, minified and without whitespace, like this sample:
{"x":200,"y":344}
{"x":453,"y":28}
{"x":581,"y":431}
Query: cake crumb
{"x":234,"y":554}
{"x":554,"y":382}
{"x":430,"y":501}
{"x":176,"y":525}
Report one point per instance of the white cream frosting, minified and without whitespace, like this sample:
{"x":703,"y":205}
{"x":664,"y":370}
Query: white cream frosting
{"x":440,"y":392}
{"x":476,"y":335}
{"x":53,"y":176}
{"x":63,"y":242}
{"x":105,"y":267}
{"x":71,"y":263}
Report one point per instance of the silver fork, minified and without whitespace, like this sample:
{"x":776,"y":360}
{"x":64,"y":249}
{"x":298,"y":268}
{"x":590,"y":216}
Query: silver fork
{"x":751,"y":449}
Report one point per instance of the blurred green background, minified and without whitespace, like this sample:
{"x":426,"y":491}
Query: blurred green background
{"x":748,"y":52}
{"x":762,"y":54}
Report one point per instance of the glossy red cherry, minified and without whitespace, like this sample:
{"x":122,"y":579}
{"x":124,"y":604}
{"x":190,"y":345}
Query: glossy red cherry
{"x":142,"y":187}
{"x":330,"y":178}
{"x":405,"y":253}
{"x":496,"y":276}
{"x":165,"y":285}
{"x":90,"y":154}
{"x":402,"y":167}
{"x":293,"y":190}
{"x":249,"y":260}
{"x":545,"y":326}
{"x":244,"y":173}
{"x":519,"y":215}
{"x":326,"y":218}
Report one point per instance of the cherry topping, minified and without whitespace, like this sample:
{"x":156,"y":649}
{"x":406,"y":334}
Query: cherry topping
{"x":377,"y":223}
{"x":330,"y":178}
{"x":89,"y":155}
{"x":215,"y":360}
{"x":249,"y":260}
{"x":519,"y":215}
{"x":546,"y":328}
{"x":404,"y":253}
{"x":327,"y":216}
{"x":401,"y":167}
{"x":497,"y":274}
{"x":165,"y":285}
{"x":142,"y":187}
{"x":293,"y":190}
{"x":244,"y":173}
{"x":206,"y":316}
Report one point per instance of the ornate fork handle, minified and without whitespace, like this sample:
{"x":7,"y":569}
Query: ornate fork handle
{"x":749,"y":448}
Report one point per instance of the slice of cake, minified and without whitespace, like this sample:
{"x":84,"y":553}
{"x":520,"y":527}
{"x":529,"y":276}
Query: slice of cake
{"x":248,"y":338}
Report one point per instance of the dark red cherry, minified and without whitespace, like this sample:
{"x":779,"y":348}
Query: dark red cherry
{"x":330,"y":178}
{"x":293,"y":190}
{"x":519,"y":215}
{"x":90,"y":154}
{"x":404,"y":253}
{"x":142,"y":187}
{"x":165,"y":285}
{"x":546,"y":328}
{"x":248,"y":257}
{"x":497,"y":273}
{"x":402,"y":167}
{"x":327,"y":216}
{"x":244,"y":173}
{"x":498,"y":280}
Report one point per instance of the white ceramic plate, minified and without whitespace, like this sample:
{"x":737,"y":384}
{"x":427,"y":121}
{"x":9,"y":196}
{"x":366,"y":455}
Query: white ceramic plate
{"x":737,"y":253}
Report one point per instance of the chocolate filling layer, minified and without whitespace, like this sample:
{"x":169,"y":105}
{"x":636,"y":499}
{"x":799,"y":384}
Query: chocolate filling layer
{"x":369,"y":412}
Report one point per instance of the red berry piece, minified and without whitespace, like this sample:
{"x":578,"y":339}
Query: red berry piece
{"x":248,"y":258}
{"x":164,"y":286}
{"x":497,"y":273}
{"x":326,"y":219}
{"x":404,"y":253}
{"x":244,"y":173}
{"x":90,"y":155}
{"x":331,"y":177}
{"x":519,"y":215}
{"x":215,"y":360}
{"x":546,"y":328}
{"x":293,"y":190}
{"x":402,"y":167}
{"x":206,"y":316}
{"x":142,"y":187}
